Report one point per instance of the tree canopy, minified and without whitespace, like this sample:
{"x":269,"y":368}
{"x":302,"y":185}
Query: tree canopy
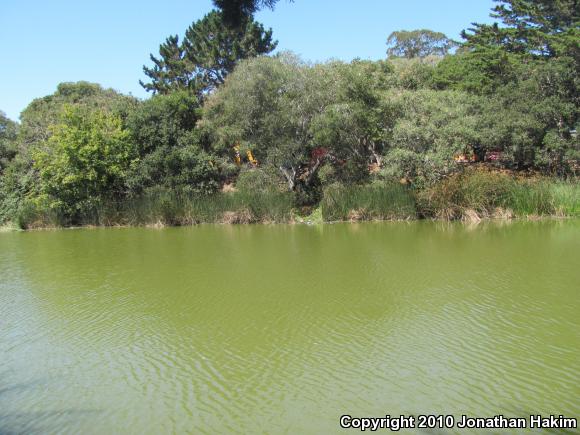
{"x":207,"y":54}
{"x":545,"y":28}
{"x":234,"y":11}
{"x":85,"y":159}
{"x":8,"y":134}
{"x":418,"y":43}
{"x":172,"y":152}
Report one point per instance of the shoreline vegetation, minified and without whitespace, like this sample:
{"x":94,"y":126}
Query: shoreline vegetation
{"x":472,"y":196}
{"x":482,"y":129}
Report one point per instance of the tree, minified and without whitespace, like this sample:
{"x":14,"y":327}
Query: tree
{"x":268,"y":105}
{"x":208,"y":53}
{"x":296,"y":118}
{"x":252,"y":109}
{"x":414,"y":73}
{"x":352,"y":127}
{"x":20,"y":179}
{"x":235,"y":10}
{"x":544,"y":28}
{"x":43,"y":112}
{"x":428,"y":129}
{"x":172,"y":70}
{"x":531,"y":118}
{"x":418,"y":43}
{"x":479,"y":71}
{"x":8,"y":133}
{"x":172,"y":152}
{"x":85,"y":160}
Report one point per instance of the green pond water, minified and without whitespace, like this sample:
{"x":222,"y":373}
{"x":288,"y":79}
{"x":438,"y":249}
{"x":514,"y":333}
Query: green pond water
{"x":283,"y":329}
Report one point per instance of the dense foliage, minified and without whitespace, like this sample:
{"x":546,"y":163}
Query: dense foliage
{"x":425,"y":132}
{"x":207,"y":54}
{"x":8,"y":134}
{"x":234,"y":11}
{"x":86,"y":157}
{"x":172,"y":153}
{"x":418,"y":43}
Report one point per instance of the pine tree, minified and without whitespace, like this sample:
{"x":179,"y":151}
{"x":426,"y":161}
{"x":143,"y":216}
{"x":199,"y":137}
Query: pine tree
{"x":545,"y":28}
{"x":208,"y":53}
{"x":234,"y":11}
{"x":172,"y":70}
{"x":215,"y":49}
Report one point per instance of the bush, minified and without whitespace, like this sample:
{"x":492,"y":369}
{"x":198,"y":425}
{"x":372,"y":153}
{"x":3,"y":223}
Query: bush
{"x":254,"y":181}
{"x":85,"y":160}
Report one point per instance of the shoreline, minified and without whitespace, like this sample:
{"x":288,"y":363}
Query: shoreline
{"x":9,"y":228}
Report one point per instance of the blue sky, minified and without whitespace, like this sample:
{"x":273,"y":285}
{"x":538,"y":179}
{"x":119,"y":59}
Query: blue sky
{"x":45,"y":42}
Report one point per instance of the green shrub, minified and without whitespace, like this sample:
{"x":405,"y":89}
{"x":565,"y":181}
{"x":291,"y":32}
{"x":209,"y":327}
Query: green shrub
{"x":255,"y":181}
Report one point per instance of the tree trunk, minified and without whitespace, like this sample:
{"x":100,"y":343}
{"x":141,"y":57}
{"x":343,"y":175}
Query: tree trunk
{"x":290,"y":175}
{"x":312,"y":171}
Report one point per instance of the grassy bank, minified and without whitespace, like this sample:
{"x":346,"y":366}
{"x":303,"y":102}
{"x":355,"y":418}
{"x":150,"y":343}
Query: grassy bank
{"x":472,"y":195}
{"x":384,"y":201}
{"x":167,"y":209}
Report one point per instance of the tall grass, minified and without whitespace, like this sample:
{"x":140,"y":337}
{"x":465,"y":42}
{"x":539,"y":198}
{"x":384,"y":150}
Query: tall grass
{"x":471,"y":195}
{"x":368,"y":202}
{"x":477,"y":194}
{"x":530,"y":198}
{"x":566,"y":197}
{"x":168,"y":208}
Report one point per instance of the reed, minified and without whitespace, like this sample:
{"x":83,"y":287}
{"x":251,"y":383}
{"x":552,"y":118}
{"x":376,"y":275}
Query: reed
{"x":384,"y":201}
{"x":478,"y":194}
{"x":566,"y":197}
{"x":472,"y":195}
{"x":169,"y":209}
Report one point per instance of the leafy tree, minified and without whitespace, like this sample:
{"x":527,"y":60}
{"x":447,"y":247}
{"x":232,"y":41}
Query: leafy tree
{"x":479,"y":71}
{"x":494,"y":55}
{"x":429,"y":128}
{"x":414,"y":73}
{"x":172,"y":153}
{"x":38,"y":120}
{"x":340,"y":118}
{"x":85,"y":160}
{"x":43,"y":112}
{"x":531,"y":118}
{"x":353,"y":126}
{"x":267,"y":105}
{"x":418,"y":43}
{"x":8,"y":133}
{"x":209,"y":52}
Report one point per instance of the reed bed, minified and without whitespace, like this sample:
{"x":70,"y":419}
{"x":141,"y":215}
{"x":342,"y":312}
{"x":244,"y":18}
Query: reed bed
{"x":384,"y":201}
{"x":471,"y":195}
{"x":170,"y":209}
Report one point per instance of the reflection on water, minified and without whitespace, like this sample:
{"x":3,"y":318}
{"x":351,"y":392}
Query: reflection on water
{"x":285,"y":328}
